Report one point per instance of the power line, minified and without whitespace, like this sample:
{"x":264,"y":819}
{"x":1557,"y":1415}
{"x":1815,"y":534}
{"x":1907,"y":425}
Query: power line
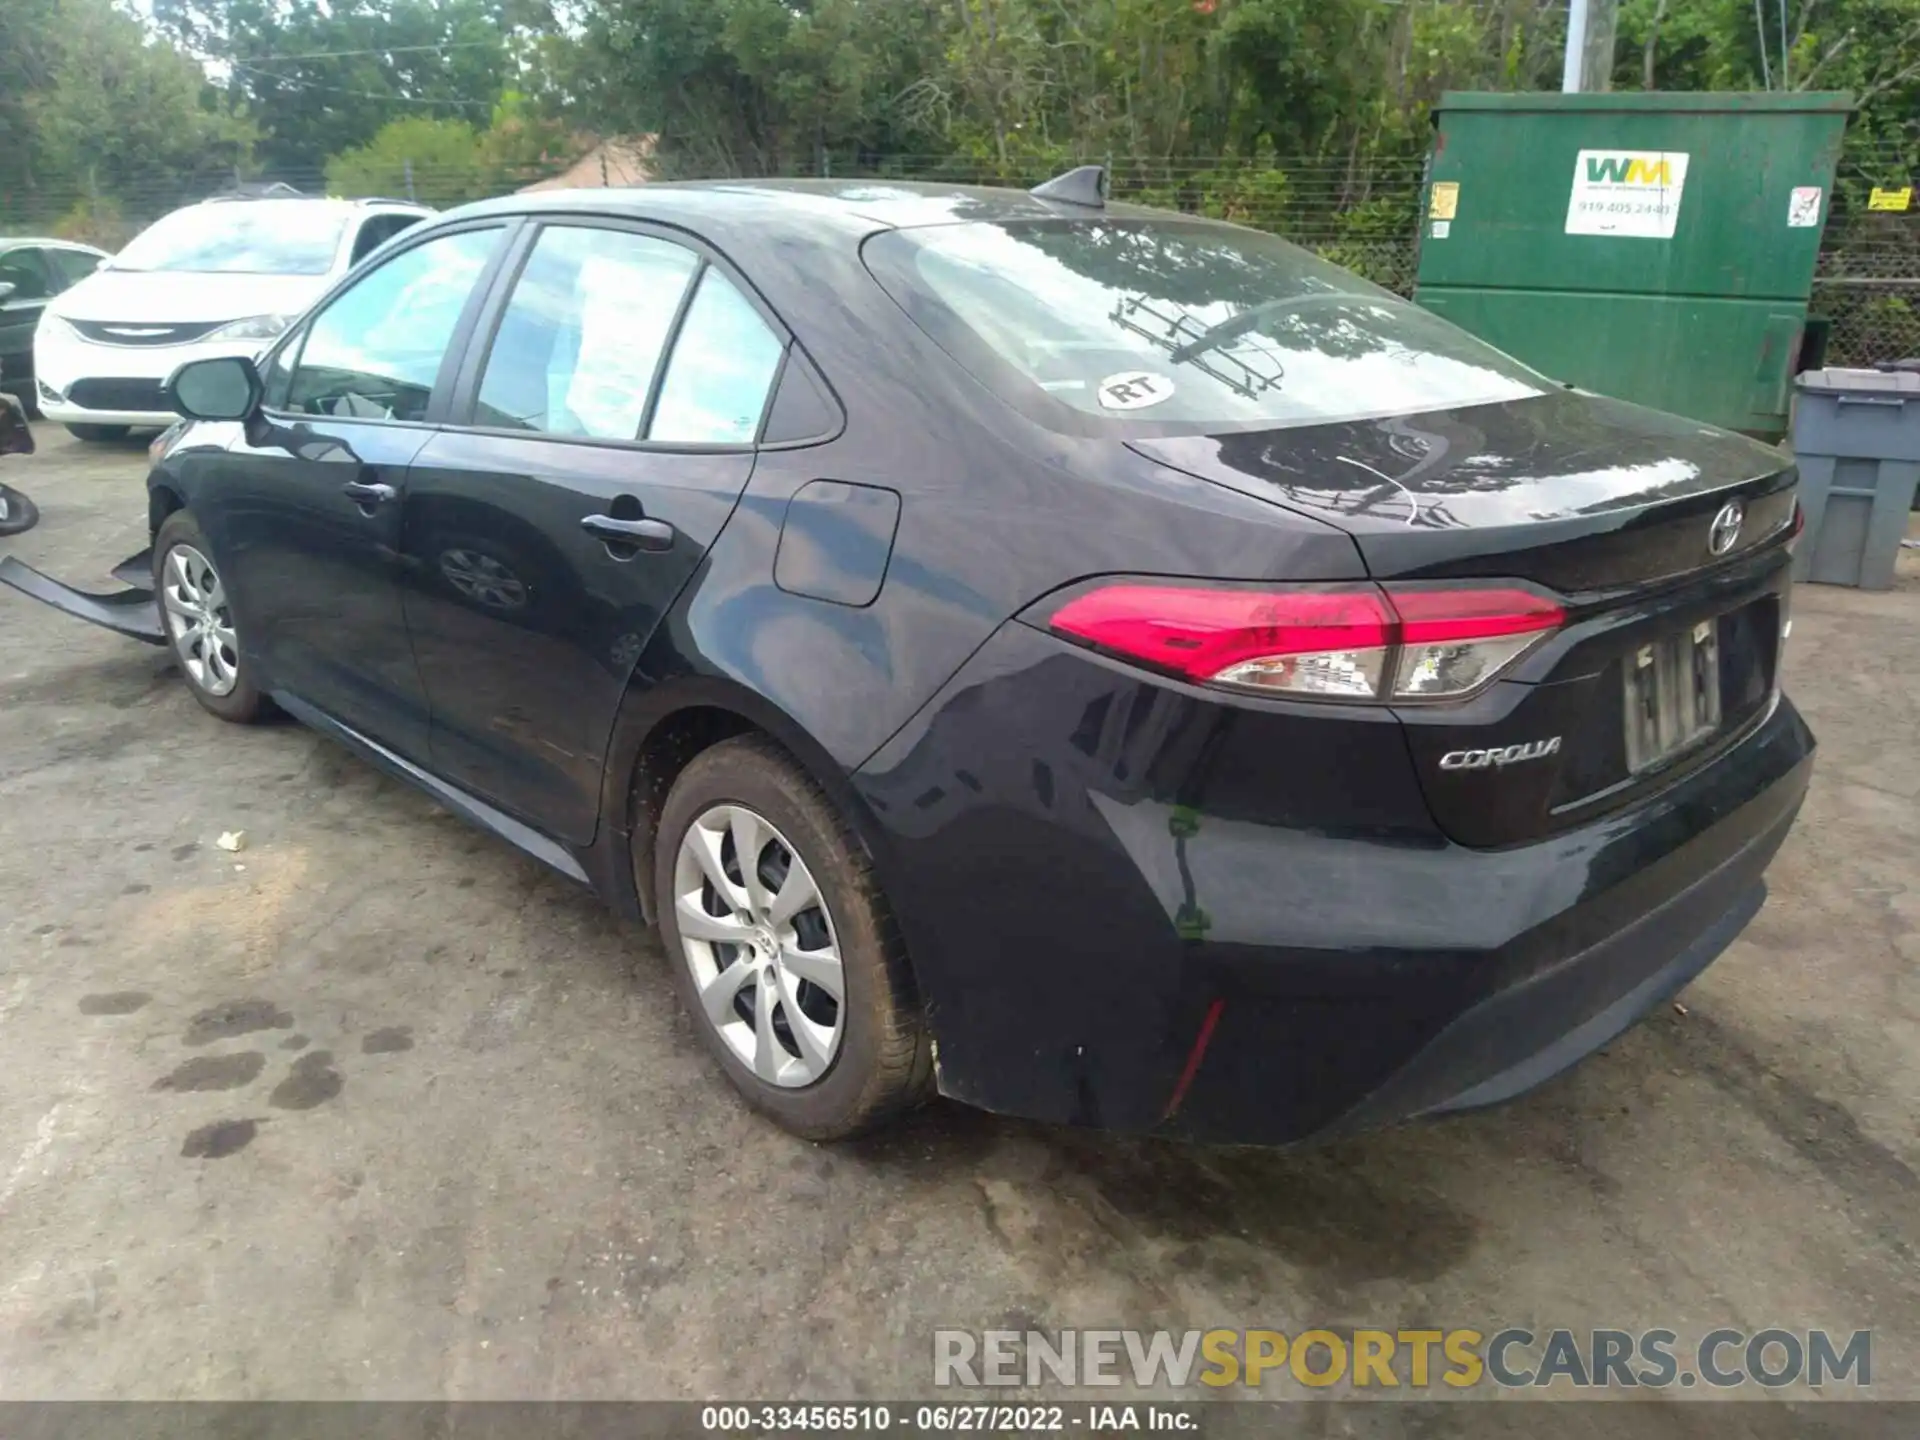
{"x":389,"y":50}
{"x":387,"y":96}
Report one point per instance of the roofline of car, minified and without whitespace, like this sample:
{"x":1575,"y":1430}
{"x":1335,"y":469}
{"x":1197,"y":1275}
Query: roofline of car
{"x":314,"y":200}
{"x":654,"y":203}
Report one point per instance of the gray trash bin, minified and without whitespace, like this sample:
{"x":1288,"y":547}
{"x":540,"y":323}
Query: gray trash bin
{"x":1856,"y":437}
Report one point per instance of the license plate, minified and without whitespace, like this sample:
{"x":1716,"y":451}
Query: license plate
{"x":1673,"y":694}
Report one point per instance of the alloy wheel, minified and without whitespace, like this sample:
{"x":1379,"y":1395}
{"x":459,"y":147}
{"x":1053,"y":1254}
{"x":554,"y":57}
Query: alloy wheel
{"x":760,"y":943}
{"x":200,"y":621}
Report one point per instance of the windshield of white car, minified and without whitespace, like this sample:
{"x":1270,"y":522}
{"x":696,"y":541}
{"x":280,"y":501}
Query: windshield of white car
{"x":1179,"y":325}
{"x":252,"y":237}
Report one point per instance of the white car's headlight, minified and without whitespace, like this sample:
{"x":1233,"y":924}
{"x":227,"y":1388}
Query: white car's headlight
{"x":52,"y":324}
{"x":258,"y":327}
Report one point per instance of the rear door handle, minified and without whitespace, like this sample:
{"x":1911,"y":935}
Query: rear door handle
{"x":363,"y":493}
{"x":642,"y":534}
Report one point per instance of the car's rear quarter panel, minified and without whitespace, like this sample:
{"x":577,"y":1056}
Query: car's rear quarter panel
{"x":994,"y":513}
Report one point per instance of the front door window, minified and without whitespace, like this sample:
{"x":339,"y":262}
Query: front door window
{"x":375,"y":352}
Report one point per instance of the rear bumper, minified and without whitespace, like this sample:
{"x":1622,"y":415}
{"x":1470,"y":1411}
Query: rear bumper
{"x":1523,"y":1035}
{"x":1106,"y":935}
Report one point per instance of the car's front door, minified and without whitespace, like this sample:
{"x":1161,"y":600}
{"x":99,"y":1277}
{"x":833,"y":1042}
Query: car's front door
{"x":305,"y":509}
{"x":24,"y":268}
{"x":603,"y":430}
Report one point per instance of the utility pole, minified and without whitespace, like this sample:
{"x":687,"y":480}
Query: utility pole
{"x":1591,"y":25}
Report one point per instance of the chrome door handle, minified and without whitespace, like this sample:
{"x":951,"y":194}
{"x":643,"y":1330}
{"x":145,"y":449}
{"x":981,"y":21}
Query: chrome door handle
{"x":642,"y":534}
{"x":362,"y":493}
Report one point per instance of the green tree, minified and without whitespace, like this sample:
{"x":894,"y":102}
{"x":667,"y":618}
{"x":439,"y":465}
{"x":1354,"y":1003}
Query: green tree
{"x":325,"y":79}
{"x":1869,"y":48}
{"x":448,"y":162}
{"x":436,"y":161}
{"x":756,"y":86}
{"x":105,"y":111}
{"x":28,"y":29}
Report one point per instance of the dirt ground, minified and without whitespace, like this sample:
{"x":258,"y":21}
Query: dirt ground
{"x":376,"y":1107}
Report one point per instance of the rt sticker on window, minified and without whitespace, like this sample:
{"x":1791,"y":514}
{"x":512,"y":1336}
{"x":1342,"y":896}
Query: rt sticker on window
{"x":1134,"y":390}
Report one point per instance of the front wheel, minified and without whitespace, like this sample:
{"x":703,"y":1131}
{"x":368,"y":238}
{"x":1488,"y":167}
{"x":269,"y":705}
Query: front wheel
{"x":782,"y":946}
{"x":98,"y":434}
{"x":199,"y":620}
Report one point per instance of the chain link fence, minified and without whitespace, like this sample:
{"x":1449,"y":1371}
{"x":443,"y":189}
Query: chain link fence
{"x":1363,"y":215}
{"x":1868,"y":288}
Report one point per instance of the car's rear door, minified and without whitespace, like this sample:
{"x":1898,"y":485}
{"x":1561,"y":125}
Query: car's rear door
{"x":304,"y":509}
{"x":603,"y":428}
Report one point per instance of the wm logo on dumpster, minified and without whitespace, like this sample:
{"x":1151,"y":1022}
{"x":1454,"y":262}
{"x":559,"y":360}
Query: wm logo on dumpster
{"x":1627,"y":169}
{"x":1626,"y":193}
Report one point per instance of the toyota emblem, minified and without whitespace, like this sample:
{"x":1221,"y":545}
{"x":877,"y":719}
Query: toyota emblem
{"x":1725,"y":530}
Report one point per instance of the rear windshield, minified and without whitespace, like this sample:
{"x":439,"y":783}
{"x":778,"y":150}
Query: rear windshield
{"x":250,"y":237}
{"x":1180,"y":325}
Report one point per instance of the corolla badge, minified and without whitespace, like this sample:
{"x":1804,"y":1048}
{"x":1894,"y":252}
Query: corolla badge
{"x":1499,"y":755}
{"x":1725,"y":530}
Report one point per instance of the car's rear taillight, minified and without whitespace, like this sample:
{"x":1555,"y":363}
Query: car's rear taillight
{"x":1312,"y":642}
{"x":1346,"y":642}
{"x":1454,"y":641}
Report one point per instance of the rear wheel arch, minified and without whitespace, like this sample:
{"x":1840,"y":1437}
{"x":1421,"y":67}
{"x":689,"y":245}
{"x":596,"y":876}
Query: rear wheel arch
{"x":665,"y":751}
{"x":663,"y":727}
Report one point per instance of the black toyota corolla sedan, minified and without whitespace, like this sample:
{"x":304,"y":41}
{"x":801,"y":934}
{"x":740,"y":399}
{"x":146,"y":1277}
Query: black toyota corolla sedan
{"x":1097,"y":664}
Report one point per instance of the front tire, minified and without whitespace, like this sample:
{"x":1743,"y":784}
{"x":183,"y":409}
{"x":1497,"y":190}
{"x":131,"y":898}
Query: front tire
{"x":782,"y":946}
{"x":199,"y":621}
{"x":98,"y":434}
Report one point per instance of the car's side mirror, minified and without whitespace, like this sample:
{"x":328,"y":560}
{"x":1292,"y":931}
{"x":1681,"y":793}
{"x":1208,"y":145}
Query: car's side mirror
{"x":226,"y":387}
{"x":7,"y":287}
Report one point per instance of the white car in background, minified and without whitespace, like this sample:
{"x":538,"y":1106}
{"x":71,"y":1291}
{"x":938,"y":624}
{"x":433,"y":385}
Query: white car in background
{"x":223,"y":277}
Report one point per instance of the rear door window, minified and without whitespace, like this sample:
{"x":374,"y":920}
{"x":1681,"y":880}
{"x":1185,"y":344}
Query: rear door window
{"x":723,"y":365}
{"x":582,"y":336}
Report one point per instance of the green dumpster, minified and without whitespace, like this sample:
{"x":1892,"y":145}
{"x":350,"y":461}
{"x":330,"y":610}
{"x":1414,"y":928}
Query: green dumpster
{"x":1658,"y":247}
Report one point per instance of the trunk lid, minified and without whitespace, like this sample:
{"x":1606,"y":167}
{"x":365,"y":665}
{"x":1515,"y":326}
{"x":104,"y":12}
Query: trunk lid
{"x":1572,"y":491}
{"x":1671,"y":647}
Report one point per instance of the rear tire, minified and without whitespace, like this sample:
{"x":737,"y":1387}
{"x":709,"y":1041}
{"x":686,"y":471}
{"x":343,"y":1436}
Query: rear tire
{"x":846,"y":1063}
{"x":98,"y":434}
{"x":199,"y":621}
